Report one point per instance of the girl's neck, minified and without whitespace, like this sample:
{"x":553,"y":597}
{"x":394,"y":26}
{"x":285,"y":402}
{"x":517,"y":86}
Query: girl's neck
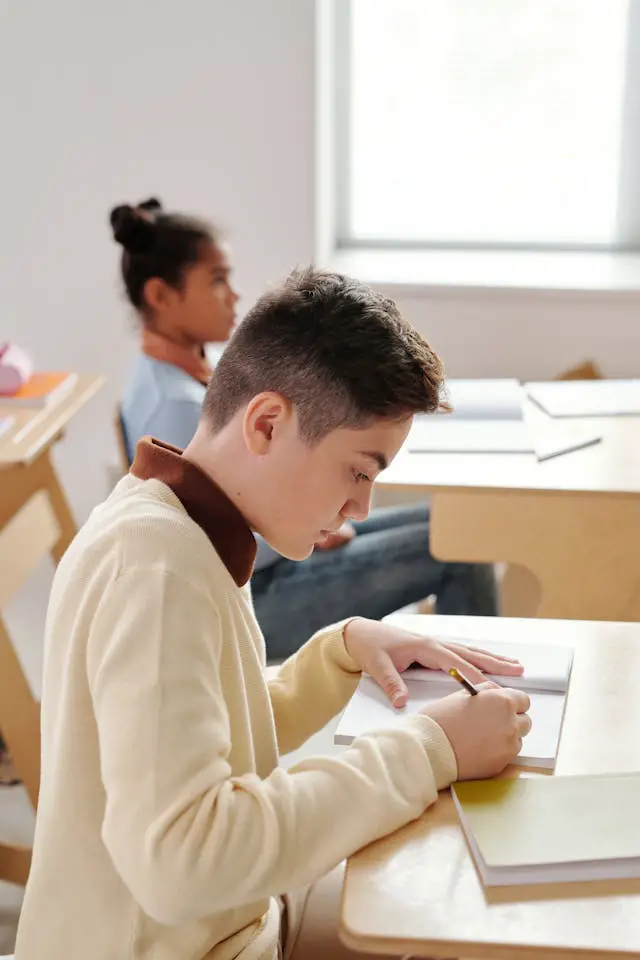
{"x":188,"y":357}
{"x":180,"y":340}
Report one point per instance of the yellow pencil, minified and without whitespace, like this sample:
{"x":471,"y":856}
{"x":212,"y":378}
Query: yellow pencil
{"x":462,"y":680}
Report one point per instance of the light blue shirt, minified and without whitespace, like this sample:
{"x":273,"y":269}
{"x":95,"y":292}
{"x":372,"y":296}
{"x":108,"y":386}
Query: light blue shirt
{"x":165,"y":402}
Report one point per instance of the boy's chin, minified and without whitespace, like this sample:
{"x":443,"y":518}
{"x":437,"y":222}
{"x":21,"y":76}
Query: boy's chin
{"x":295,"y":551}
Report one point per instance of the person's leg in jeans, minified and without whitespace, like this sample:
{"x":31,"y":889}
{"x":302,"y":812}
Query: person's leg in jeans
{"x":386,"y":566}
{"x":463,"y":588}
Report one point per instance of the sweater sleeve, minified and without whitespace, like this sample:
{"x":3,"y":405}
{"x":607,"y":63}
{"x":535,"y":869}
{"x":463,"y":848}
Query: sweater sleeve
{"x":312,"y":686}
{"x":189,"y":838}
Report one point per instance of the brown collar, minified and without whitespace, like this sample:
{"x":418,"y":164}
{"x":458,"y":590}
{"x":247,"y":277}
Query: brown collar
{"x":203,"y":500}
{"x":157,"y":347}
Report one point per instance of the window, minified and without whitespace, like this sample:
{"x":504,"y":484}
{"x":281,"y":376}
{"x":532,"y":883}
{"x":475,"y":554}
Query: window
{"x":499,"y":124}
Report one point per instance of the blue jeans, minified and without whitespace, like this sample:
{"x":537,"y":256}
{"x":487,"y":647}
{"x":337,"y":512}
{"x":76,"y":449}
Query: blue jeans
{"x":386,"y":566}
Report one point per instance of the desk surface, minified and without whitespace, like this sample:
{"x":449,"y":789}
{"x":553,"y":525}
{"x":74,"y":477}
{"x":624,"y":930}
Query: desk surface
{"x":34,"y":429}
{"x":417,"y":892}
{"x":609,"y":467}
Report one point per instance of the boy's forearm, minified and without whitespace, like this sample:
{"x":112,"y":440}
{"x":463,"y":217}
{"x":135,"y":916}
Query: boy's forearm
{"x":312,"y":686}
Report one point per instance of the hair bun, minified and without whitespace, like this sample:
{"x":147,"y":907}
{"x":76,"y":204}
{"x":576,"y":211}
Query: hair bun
{"x":152,"y":205}
{"x":131,"y":229}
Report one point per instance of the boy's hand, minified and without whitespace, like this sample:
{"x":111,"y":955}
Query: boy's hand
{"x":337,"y":539}
{"x":384,"y":652}
{"x":485,"y":732}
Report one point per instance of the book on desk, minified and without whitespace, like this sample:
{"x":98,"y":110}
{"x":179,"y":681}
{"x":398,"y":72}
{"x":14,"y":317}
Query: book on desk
{"x":547,"y":671}
{"x":39,"y":391}
{"x":487,"y":417}
{"x":532,"y":830}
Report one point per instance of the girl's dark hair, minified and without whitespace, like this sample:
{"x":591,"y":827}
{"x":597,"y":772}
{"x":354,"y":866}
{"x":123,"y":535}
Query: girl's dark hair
{"x":157,"y":244}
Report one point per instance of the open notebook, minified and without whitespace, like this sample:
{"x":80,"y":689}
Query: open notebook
{"x":546,"y":678}
{"x":552,"y":829}
{"x":40,"y":390}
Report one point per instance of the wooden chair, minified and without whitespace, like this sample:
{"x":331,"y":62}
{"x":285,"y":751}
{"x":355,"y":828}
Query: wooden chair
{"x":25,"y":539}
{"x":122,"y":445}
{"x":588,"y":370}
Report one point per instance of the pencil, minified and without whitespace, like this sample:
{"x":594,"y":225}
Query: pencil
{"x":462,"y":680}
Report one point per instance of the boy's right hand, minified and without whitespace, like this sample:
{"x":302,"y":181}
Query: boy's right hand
{"x":485,"y":731}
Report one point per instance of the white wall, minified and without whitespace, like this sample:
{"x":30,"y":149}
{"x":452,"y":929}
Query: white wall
{"x":529,"y":335}
{"x":208,"y":104}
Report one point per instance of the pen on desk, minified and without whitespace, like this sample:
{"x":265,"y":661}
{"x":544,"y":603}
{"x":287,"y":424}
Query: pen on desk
{"x":469,"y":687}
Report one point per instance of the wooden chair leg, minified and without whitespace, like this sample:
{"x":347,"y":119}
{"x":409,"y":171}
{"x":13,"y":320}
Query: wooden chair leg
{"x":15,"y":862}
{"x":61,"y":509}
{"x":20,"y":717}
{"x":520,"y":592}
{"x":28,"y":536}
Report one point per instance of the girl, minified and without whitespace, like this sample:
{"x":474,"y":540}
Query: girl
{"x":177,"y":276}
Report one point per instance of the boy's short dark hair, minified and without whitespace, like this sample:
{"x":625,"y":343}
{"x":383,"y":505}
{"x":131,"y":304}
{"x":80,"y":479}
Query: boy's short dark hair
{"x":341,"y":353}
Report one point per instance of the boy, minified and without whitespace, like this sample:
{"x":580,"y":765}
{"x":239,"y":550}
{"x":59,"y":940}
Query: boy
{"x":177,"y":275}
{"x":166,"y":828}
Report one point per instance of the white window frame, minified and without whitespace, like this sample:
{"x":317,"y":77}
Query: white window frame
{"x":396,"y":263}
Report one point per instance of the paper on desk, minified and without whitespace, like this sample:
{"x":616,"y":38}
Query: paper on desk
{"x":587,"y":398}
{"x":5,"y":424}
{"x":443,"y":435}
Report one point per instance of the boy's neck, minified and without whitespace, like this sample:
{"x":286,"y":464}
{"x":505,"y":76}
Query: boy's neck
{"x":222,"y":458}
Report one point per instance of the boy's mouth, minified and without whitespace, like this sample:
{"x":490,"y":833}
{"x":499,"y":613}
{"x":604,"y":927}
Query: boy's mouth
{"x":328,"y":533}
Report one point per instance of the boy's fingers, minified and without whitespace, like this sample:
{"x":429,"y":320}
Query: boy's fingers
{"x":383,"y":671}
{"x":486,"y":661}
{"x":519,"y":698}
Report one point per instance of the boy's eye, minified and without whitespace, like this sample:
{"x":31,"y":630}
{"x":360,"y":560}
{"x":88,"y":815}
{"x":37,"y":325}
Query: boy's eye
{"x":360,"y":477}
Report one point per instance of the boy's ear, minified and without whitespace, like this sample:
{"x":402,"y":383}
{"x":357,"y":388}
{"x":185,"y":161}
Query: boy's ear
{"x":265,"y":417}
{"x":157,"y":294}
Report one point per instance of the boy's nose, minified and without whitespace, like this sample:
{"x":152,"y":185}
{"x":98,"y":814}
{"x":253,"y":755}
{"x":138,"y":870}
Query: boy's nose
{"x":358,"y":509}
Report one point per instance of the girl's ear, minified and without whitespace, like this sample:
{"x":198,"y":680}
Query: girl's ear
{"x":157,"y":294}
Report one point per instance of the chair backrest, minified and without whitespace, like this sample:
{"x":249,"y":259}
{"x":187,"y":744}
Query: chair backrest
{"x":121,"y":440}
{"x":583,"y":371}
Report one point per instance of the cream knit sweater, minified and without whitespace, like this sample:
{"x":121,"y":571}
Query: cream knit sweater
{"x":165,"y":826}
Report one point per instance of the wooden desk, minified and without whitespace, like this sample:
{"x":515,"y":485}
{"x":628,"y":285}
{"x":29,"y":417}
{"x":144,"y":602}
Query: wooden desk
{"x":572,"y":521}
{"x":35,"y":520}
{"x":417,"y":892}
